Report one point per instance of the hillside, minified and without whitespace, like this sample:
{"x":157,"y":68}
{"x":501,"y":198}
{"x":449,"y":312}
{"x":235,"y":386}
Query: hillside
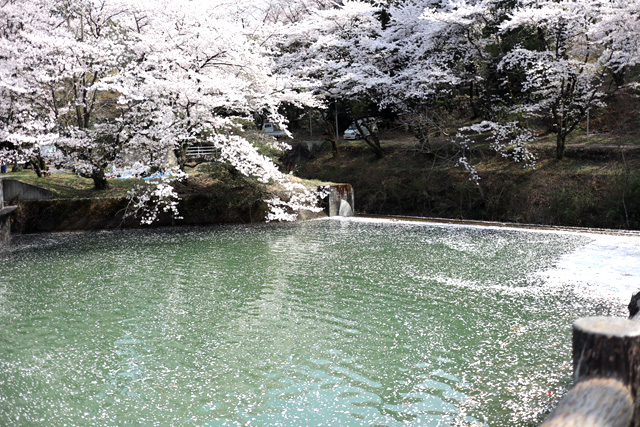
{"x":597,"y":185}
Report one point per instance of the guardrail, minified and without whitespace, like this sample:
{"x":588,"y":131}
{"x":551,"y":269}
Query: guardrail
{"x":202,"y":151}
{"x":606,"y":366}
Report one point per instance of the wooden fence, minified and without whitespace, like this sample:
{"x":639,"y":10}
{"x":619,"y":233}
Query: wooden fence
{"x":606,"y":373}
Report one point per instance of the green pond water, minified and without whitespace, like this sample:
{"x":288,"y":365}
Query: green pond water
{"x":333,"y":322}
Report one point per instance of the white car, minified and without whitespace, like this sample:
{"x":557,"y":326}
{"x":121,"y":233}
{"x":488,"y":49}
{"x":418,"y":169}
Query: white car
{"x":270,"y":129}
{"x":352,"y":131}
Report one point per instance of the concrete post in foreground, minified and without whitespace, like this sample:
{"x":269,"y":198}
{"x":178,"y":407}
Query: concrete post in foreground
{"x":606,"y":347}
{"x":606,"y":363}
{"x":595,"y":402}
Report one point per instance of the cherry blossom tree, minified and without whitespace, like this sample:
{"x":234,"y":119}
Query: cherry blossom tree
{"x":524,"y":63}
{"x":541,"y":62}
{"x":198,"y":75}
{"x":563,"y":74}
{"x":27,"y":121}
{"x":56,"y":53}
{"x":431,"y":53}
{"x":618,"y":30}
{"x":123,"y":80}
{"x":338,"y":48}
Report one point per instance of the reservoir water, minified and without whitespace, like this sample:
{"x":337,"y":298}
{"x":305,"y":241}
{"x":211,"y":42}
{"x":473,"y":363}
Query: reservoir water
{"x":333,"y":322}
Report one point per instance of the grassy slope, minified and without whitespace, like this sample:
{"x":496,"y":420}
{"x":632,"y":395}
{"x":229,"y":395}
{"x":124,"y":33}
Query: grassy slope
{"x":71,"y":186}
{"x":597,"y":185}
{"x":213,"y":194}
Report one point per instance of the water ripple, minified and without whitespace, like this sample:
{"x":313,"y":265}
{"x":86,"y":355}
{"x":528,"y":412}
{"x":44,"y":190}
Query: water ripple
{"x":321,"y":323}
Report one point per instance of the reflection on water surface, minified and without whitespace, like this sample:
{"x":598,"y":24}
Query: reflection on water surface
{"x":350,"y":323}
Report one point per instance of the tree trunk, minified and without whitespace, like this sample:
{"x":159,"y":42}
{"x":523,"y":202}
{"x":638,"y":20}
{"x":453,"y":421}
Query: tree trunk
{"x":331,"y":131}
{"x":634,"y":307}
{"x":181,"y":156}
{"x":99,"y":180}
{"x":370,"y":138}
{"x":37,"y":169}
{"x":39,"y":166}
{"x":373,"y":142}
{"x":334,"y":147}
{"x":560,"y":145}
{"x":618,"y":77}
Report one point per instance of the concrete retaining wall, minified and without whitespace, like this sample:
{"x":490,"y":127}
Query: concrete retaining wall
{"x":16,"y":191}
{"x":5,"y":224}
{"x":35,"y":216}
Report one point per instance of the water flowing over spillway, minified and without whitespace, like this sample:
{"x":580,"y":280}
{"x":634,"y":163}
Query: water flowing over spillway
{"x":345,"y":322}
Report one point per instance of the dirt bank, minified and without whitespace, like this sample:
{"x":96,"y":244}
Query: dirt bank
{"x":595,"y":186}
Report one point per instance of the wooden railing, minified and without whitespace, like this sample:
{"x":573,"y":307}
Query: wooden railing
{"x":606,"y":366}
